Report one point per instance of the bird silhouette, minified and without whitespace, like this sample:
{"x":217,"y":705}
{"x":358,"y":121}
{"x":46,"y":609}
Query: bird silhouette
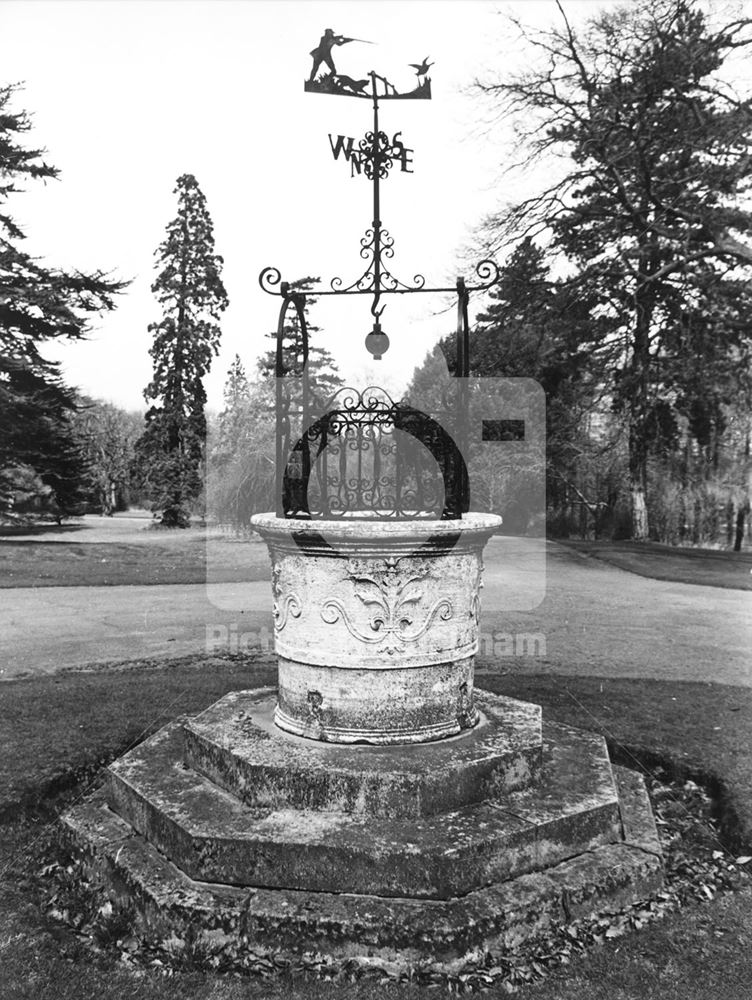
{"x":421,"y":68}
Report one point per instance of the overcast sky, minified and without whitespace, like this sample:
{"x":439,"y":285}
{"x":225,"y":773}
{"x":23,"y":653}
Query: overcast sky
{"x":126,"y":96}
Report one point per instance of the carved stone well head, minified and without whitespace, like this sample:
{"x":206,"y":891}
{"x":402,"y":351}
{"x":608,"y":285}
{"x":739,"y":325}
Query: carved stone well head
{"x":376,"y":625}
{"x":376,"y":570}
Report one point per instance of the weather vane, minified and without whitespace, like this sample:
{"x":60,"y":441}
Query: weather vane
{"x":337,"y":83}
{"x":373,"y":156}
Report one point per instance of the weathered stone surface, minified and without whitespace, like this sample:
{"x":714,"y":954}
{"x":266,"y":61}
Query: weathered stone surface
{"x":214,"y":837}
{"x":234,"y":923}
{"x":575,"y":801}
{"x":268,"y":843}
{"x":637,"y":818}
{"x":336,"y":704}
{"x":606,"y":879}
{"x":355,"y":601}
{"x":236,"y":744}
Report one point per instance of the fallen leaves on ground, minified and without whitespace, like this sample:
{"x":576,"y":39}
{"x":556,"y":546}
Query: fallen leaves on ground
{"x":697,"y":868}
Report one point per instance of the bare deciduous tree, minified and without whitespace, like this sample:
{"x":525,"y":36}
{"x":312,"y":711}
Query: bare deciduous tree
{"x":650,"y":212}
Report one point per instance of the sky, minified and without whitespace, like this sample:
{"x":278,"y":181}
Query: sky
{"x":127,"y":95}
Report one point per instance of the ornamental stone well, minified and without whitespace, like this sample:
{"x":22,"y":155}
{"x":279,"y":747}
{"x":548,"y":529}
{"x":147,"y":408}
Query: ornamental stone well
{"x":373,"y":807}
{"x":376,"y":625}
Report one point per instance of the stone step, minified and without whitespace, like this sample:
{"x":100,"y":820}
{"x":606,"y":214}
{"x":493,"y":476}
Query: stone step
{"x":212,"y":836}
{"x":237,"y":926}
{"x":237,"y":745}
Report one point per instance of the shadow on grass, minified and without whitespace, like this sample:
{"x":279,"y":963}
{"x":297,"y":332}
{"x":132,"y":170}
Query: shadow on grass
{"x":706,"y":567}
{"x":39,"y":528}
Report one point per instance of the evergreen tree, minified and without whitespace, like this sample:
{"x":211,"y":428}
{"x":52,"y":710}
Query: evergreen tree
{"x":534,"y":328}
{"x":322,"y":368}
{"x":38,"y":304}
{"x":243,"y":459}
{"x":242,"y":479}
{"x":190,"y":292}
{"x":528,"y":330}
{"x":235,"y":416}
{"x":236,"y":394}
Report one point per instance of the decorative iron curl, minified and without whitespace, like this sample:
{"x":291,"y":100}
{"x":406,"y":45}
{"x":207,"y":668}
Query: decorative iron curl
{"x":387,"y":281}
{"x":269,"y":278}
{"x":376,"y":150}
{"x":367,"y":243}
{"x":387,"y":244}
{"x":486,"y":269}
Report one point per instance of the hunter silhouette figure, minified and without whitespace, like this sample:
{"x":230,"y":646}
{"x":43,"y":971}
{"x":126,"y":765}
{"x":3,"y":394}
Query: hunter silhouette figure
{"x":323,"y":52}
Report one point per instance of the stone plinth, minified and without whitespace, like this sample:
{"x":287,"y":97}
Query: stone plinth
{"x":327,"y":816}
{"x":251,"y":841}
{"x":236,"y":745}
{"x":435,"y":821}
{"x":376,"y":625}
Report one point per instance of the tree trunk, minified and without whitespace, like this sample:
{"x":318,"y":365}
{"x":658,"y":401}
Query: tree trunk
{"x":639,"y":513}
{"x":104,"y":500}
{"x":729,"y":522}
{"x":111,"y":500}
{"x":639,"y":390}
{"x":638,"y":474}
{"x":740,"y":518}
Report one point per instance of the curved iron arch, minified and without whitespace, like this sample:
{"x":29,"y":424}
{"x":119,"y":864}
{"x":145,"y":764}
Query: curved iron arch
{"x":401,"y":416}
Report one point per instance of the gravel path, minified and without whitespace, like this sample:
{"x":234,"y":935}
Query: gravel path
{"x":589,"y":619}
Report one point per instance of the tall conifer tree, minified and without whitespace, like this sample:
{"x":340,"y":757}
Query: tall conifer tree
{"x":38,"y":304}
{"x":322,"y":368}
{"x":190,"y":292}
{"x":235,"y":418}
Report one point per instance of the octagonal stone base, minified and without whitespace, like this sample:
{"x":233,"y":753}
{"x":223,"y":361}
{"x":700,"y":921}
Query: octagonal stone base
{"x":254,"y":841}
{"x":236,"y":745}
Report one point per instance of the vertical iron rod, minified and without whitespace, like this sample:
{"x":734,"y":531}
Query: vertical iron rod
{"x":463,"y":372}
{"x":282,"y":422}
{"x":300,"y":303}
{"x":376,"y":161}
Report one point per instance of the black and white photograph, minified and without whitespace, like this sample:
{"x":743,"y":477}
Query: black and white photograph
{"x":375,"y":499}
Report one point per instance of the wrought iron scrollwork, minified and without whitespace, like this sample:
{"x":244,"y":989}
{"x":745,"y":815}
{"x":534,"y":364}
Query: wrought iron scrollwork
{"x":376,"y":154}
{"x":270,"y":280}
{"x":376,"y":247}
{"x":369,"y":456}
{"x":488,"y":272}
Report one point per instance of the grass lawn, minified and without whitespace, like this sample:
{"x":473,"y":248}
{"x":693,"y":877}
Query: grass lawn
{"x":58,"y":730}
{"x":192,"y":558}
{"x":129,"y":550}
{"x":711,"y":567}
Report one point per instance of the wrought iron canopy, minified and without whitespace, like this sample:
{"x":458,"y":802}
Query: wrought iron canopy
{"x":404,"y":493}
